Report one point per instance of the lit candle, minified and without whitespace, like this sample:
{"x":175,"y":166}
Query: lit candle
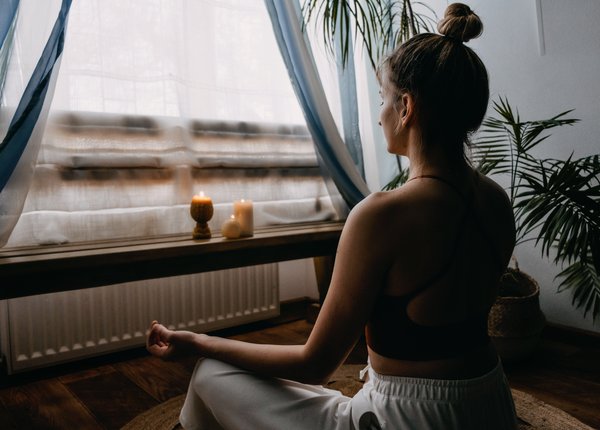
{"x":231,"y":229}
{"x":202,"y":211}
{"x":242,"y":209}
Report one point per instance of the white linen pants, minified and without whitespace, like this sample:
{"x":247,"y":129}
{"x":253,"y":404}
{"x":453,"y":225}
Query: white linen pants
{"x":222,"y":396}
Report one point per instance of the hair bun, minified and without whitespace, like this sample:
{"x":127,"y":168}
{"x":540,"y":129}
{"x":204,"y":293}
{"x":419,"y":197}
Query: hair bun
{"x":460,"y":23}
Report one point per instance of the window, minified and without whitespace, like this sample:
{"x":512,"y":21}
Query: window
{"x":157,"y":100}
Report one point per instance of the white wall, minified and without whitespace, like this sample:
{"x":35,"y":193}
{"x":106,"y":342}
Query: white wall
{"x":566,"y":77}
{"x":297,"y":279}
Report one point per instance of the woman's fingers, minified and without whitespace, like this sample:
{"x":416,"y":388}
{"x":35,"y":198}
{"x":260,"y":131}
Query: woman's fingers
{"x":157,"y":337}
{"x":168,"y":344}
{"x":162,"y":333}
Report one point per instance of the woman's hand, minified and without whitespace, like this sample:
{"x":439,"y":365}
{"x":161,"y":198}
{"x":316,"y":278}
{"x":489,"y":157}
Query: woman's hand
{"x":169,"y":345}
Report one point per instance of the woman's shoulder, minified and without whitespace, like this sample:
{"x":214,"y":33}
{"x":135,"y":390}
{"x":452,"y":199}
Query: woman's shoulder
{"x":371,"y":210}
{"x":427,"y":197}
{"x":389,"y":212}
{"x":493,"y":199}
{"x":375,"y":225}
{"x":495,"y":208}
{"x":492,"y":188}
{"x":386,"y":203}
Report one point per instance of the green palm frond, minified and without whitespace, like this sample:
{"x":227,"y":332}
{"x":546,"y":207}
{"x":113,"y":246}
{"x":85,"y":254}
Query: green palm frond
{"x":561,"y":203}
{"x":401,"y":23}
{"x":381,"y":24}
{"x":400,"y":179}
{"x":583,"y":281}
{"x":504,"y":143}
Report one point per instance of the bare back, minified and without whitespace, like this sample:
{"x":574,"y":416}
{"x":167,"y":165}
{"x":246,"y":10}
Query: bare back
{"x":430,"y":239}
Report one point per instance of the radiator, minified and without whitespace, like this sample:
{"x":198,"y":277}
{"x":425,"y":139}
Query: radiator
{"x":52,"y":328}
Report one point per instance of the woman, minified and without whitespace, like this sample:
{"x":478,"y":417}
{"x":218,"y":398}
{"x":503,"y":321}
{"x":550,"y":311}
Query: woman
{"x":419,"y":267}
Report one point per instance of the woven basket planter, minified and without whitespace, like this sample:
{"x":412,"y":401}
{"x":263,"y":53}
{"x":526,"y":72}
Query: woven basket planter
{"x":516,"y":320}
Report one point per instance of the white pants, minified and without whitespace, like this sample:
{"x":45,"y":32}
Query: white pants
{"x":222,"y":396}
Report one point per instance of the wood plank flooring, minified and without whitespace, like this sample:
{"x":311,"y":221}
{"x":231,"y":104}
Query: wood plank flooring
{"x":564,"y":376}
{"x":107,"y":392}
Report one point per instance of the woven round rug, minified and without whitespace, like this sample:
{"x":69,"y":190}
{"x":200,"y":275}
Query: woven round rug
{"x":533,"y":413}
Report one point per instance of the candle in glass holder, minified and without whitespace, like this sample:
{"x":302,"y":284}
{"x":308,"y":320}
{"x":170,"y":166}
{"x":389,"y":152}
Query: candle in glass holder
{"x":243,"y":211}
{"x":202,"y":211}
{"x":231,"y":229}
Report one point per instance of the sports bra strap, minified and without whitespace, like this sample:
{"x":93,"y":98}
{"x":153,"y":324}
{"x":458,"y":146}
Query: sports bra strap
{"x":467,"y":203}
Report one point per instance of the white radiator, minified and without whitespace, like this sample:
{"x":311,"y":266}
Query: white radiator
{"x":52,"y":328}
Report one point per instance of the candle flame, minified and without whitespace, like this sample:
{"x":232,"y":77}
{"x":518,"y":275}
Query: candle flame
{"x":201,"y":193}
{"x":242,"y":200}
{"x":232,"y":217}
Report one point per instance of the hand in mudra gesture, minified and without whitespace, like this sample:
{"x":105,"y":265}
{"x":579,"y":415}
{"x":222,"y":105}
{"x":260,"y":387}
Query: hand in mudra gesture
{"x":170,"y":345}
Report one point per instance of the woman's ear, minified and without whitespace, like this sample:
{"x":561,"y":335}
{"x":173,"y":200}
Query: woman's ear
{"x":407,"y":109}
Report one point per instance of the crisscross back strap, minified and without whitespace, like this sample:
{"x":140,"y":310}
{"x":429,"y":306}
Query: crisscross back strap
{"x":459,"y":235}
{"x":461,"y":229}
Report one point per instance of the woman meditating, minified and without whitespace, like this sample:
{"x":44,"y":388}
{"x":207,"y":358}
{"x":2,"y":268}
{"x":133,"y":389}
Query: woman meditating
{"x":418,"y":266}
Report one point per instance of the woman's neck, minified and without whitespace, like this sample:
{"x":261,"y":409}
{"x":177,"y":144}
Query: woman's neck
{"x":436,"y":162}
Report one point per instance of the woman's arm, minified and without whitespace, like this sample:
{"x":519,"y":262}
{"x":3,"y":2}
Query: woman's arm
{"x":364,"y":255}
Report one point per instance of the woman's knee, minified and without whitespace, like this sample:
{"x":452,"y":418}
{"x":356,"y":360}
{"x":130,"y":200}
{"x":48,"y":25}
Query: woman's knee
{"x":213,"y":375}
{"x":206,"y":369}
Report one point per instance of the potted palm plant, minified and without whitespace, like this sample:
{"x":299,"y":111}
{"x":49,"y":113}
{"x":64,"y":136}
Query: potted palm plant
{"x":556,"y":204}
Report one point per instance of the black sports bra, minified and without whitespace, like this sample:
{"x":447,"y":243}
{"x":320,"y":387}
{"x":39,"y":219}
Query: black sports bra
{"x":391,"y":333}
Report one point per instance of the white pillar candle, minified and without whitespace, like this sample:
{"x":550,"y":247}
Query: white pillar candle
{"x":243,"y":212}
{"x":231,"y":229}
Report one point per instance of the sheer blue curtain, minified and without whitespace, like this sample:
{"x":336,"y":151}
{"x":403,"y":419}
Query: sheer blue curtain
{"x":23,"y":122}
{"x":334,"y":158}
{"x":349,"y":102}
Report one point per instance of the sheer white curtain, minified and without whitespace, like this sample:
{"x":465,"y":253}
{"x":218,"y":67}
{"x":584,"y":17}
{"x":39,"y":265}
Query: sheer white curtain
{"x":31,"y":42}
{"x":157,"y":100}
{"x":195,"y":59}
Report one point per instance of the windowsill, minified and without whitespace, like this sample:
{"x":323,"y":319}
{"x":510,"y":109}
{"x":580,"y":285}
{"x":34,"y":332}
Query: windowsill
{"x":27,"y":271}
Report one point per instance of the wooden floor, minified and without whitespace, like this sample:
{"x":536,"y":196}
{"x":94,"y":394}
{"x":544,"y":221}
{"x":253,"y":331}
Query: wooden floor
{"x":109,"y":391}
